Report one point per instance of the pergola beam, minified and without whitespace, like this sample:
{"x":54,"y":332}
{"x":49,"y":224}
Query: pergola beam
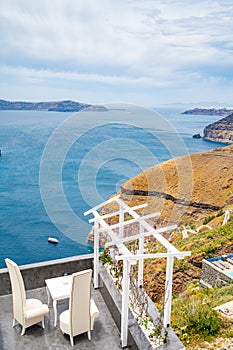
{"x":111,"y":233}
{"x":116,"y":213}
{"x":131,"y":221}
{"x":139,"y":236}
{"x":151,"y":256}
{"x":101,"y":205}
{"x":147,"y":226}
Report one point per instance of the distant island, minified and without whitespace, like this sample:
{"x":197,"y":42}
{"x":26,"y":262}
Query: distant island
{"x":51,"y":106}
{"x":209,"y":111}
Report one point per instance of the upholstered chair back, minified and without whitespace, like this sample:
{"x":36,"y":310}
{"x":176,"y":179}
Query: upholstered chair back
{"x":18,"y":290}
{"x":79,"y":305}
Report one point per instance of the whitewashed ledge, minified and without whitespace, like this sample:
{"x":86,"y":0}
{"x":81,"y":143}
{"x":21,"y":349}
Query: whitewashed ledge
{"x":136,"y":337}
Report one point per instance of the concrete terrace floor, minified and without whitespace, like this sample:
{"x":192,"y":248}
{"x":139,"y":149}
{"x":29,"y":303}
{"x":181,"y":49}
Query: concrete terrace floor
{"x":105,"y":335}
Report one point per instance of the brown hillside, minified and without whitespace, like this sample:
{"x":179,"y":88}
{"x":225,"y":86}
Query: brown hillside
{"x":190,"y":186}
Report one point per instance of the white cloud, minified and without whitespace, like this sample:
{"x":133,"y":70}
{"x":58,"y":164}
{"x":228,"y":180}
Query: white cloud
{"x":75,"y":32}
{"x":152,"y":43}
{"x":33,"y":75}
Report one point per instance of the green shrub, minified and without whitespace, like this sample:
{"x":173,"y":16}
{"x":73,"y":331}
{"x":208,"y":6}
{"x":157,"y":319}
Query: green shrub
{"x":208,"y":219}
{"x":220,"y":213}
{"x":209,"y":251}
{"x":180,"y":265}
{"x":105,"y":258}
{"x":202,"y":319}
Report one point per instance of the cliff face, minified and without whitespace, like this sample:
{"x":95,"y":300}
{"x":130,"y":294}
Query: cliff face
{"x":221,"y":131}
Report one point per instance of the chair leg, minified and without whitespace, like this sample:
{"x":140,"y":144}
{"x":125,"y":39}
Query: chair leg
{"x":23,"y":331}
{"x":89,"y":335}
{"x":42,"y":323}
{"x":13,"y":324}
{"x":71,"y":341}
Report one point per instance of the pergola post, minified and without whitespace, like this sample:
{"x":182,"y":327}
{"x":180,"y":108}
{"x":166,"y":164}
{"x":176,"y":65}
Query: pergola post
{"x":125,"y":302}
{"x":141,"y":260}
{"x":121,"y":219}
{"x":168,"y":292}
{"x":96,"y":255}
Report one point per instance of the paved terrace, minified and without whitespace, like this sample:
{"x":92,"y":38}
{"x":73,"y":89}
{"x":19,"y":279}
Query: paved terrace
{"x":108,"y":299}
{"x":105,"y":335}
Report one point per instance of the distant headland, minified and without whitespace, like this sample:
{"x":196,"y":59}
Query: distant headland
{"x":220,"y":131}
{"x":51,"y":106}
{"x":210,"y":111}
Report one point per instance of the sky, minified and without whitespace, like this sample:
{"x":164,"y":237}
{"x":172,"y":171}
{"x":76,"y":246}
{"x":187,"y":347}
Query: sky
{"x":148,"y":52}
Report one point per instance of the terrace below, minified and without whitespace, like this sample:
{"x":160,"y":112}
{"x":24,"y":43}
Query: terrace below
{"x":106,"y":332}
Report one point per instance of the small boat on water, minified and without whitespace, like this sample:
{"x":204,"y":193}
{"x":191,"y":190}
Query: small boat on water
{"x":53,"y":240}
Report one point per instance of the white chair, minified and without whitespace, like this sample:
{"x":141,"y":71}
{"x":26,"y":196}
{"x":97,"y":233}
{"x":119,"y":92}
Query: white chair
{"x":25,"y":311}
{"x":80,"y":316}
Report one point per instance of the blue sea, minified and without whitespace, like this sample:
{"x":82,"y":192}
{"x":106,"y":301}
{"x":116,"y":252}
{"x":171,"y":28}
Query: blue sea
{"x":54,"y":166}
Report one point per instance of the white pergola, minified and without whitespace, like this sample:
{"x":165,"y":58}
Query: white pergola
{"x":118,"y":239}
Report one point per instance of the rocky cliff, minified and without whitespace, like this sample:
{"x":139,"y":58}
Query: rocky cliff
{"x":221,"y":131}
